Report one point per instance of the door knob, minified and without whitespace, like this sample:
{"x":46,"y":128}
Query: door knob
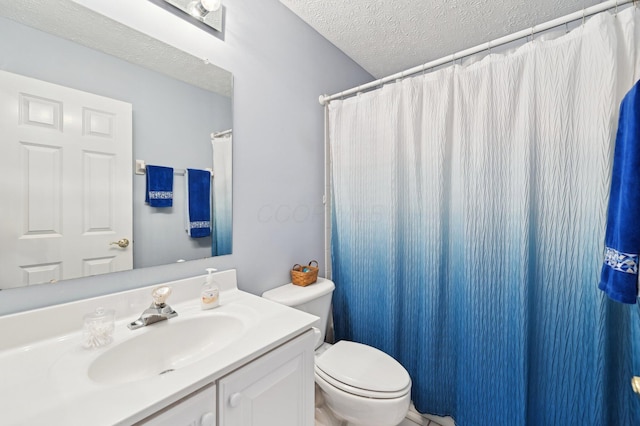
{"x":123,"y":243}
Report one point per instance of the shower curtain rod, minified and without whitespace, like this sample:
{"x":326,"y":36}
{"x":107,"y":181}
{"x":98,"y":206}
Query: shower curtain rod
{"x":581,"y":14}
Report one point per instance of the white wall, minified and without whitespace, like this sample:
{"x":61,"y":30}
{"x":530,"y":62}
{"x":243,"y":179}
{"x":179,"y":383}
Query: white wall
{"x":280,"y":67}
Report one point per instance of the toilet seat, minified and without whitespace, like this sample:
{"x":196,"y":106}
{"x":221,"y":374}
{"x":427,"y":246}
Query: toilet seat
{"x":363,"y":371}
{"x":320,"y":375}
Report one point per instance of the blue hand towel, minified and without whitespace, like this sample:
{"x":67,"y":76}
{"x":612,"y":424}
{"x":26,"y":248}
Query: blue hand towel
{"x":159,"y":191}
{"x":198,"y":203}
{"x":620,"y":270}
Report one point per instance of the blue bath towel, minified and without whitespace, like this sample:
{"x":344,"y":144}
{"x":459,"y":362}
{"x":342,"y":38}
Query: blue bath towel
{"x":159,"y":191}
{"x":198,"y":203}
{"x":620,"y":270}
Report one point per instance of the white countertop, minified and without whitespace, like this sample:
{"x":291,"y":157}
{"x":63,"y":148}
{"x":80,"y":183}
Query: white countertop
{"x":44,"y":375}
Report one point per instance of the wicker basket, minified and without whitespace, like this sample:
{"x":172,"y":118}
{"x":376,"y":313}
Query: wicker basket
{"x":304,"y":275}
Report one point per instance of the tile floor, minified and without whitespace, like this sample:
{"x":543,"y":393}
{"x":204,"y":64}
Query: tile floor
{"x":407,"y":422}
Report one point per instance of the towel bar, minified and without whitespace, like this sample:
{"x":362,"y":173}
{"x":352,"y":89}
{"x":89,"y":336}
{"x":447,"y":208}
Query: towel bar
{"x":141,"y":168}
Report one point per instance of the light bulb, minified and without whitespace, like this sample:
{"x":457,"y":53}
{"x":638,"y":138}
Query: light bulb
{"x":196,"y":10}
{"x":211,"y":5}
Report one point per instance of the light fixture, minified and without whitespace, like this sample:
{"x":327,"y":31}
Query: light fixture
{"x":197,"y":10}
{"x":207,"y":12}
{"x":211,"y":5}
{"x":201,"y":8}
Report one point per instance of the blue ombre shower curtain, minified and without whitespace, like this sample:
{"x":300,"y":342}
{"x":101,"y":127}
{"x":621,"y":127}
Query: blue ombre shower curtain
{"x":468,"y":217}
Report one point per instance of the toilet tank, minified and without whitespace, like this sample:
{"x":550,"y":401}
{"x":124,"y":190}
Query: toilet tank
{"x":314,"y":299}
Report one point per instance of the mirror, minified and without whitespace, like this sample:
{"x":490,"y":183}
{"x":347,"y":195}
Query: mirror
{"x":178,"y":104}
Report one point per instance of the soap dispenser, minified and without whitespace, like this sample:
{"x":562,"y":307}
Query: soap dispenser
{"x":210,"y":292}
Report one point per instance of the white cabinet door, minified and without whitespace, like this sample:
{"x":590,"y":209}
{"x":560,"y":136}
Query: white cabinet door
{"x":197,"y":409}
{"x":277,"y":389}
{"x":65,"y":180}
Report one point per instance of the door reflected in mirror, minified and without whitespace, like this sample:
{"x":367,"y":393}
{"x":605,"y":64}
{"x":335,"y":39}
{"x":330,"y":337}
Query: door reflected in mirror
{"x":177,"y":104}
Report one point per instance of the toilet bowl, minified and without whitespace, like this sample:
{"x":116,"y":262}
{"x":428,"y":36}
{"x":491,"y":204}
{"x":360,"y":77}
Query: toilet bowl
{"x":360,"y":385}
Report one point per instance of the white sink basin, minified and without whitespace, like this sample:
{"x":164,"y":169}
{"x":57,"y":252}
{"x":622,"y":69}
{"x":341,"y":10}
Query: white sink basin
{"x":165,"y":346}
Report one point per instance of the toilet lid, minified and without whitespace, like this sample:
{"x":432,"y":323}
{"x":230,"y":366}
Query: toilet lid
{"x":363,"y":367}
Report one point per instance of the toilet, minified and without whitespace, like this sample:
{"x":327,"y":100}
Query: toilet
{"x":359,"y":384}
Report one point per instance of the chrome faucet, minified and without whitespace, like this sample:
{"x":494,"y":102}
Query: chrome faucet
{"x":158,"y":311}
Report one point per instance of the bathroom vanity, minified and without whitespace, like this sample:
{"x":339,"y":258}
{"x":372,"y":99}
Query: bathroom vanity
{"x":247,"y":362}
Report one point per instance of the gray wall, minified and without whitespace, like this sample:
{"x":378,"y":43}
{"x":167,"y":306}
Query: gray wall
{"x":280,"y":67}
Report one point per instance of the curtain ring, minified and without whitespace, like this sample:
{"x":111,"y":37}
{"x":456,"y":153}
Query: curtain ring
{"x":532,"y":35}
{"x":616,"y":13}
{"x":566,"y":27}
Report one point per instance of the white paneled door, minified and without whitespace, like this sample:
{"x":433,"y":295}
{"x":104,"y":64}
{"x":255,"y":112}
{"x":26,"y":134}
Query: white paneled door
{"x":65,"y":163}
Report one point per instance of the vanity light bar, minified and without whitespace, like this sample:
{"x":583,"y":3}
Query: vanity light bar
{"x":206,"y":14}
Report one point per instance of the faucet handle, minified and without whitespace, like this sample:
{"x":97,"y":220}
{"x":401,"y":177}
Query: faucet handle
{"x":160,"y":294}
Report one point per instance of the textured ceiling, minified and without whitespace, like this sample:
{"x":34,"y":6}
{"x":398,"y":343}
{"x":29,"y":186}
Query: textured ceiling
{"x":388,"y":36}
